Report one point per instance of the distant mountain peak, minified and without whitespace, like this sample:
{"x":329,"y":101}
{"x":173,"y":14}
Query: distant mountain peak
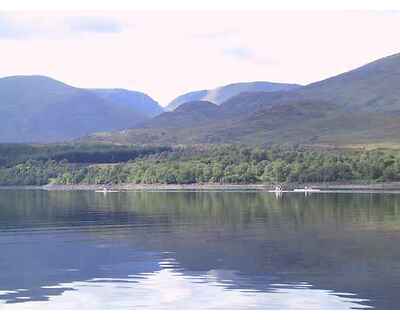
{"x":142,"y":102}
{"x":36,"y":77}
{"x":36,"y":108}
{"x":361,"y":106}
{"x":223,"y":93}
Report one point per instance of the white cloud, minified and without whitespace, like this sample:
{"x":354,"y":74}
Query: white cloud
{"x":11,"y":29}
{"x":241,"y":53}
{"x":94,"y":24}
{"x":55,"y":26}
{"x":217,"y":35}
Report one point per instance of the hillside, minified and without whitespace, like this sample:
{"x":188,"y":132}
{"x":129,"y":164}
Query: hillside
{"x":187,"y":97}
{"x":140,"y":101}
{"x":188,"y":114}
{"x":221,"y":94}
{"x":361,"y":106}
{"x":41,"y":109}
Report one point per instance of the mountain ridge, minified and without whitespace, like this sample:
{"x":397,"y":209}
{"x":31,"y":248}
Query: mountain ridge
{"x":37,"y":108}
{"x":221,"y":94}
{"x":361,"y":106}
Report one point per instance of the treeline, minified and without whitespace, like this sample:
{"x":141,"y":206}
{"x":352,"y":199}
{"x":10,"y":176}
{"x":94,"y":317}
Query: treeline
{"x":33,"y":173}
{"x":201,"y":164}
{"x":11,"y":154}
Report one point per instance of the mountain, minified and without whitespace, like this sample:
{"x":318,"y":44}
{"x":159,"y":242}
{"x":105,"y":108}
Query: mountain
{"x":187,"y":97}
{"x":142,"y":103}
{"x":221,"y":94}
{"x":41,"y":109}
{"x":186,"y":115}
{"x":361,"y":106}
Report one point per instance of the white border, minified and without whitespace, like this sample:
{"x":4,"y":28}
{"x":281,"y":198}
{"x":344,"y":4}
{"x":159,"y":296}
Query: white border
{"x":201,"y":315}
{"x":113,"y":5}
{"x":99,"y":5}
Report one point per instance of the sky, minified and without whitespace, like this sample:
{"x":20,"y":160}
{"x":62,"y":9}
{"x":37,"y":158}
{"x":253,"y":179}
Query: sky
{"x":168,"y":53}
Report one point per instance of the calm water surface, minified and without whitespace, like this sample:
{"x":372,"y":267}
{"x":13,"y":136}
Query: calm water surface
{"x":245,"y":250}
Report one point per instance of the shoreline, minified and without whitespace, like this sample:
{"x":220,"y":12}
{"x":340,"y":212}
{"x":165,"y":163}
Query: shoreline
{"x":389,"y":186}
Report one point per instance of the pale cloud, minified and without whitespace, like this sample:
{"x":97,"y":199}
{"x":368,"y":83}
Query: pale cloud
{"x":248,"y":55}
{"x":94,"y":24}
{"x":242,"y":53}
{"x":45,"y":25}
{"x":168,"y":53}
{"x":11,"y":29}
{"x":218,"y":35}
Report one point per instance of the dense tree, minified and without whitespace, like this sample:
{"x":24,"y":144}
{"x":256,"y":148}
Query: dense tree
{"x":104,"y":164}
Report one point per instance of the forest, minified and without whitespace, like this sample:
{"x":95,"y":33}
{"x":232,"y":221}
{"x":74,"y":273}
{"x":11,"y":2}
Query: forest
{"x":69,"y":164}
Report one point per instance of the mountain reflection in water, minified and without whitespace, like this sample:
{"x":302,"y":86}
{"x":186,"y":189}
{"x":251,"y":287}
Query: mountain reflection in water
{"x":178,"y":250}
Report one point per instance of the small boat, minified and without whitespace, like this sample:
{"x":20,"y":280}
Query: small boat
{"x":105,"y":190}
{"x":306,"y":190}
{"x":278,"y":189}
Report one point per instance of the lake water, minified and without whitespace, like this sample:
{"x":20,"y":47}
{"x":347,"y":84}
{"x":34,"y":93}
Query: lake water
{"x":195,"y":250}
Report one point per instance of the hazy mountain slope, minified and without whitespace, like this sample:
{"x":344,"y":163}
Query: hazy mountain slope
{"x":187,"y":97}
{"x":359,"y":106}
{"x":186,"y":115}
{"x":221,"y":94}
{"x":141,"y":102}
{"x":41,"y":109}
{"x":372,"y":87}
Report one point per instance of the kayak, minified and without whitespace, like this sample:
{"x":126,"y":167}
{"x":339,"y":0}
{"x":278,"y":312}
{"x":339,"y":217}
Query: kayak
{"x":306,"y":190}
{"x":106,"y":191}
